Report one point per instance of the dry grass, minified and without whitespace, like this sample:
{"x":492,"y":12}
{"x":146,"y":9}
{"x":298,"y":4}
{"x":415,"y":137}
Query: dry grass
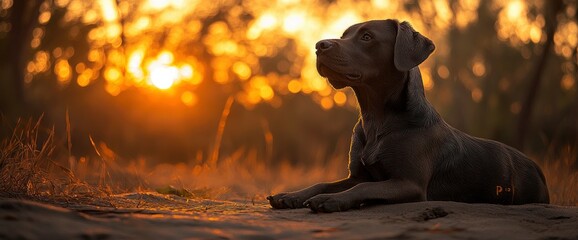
{"x":562,"y":176}
{"x":29,"y":169}
{"x":25,"y":159}
{"x":241,"y":175}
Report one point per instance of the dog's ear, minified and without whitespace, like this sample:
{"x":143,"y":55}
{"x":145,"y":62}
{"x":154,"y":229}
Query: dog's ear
{"x":411,"y":48}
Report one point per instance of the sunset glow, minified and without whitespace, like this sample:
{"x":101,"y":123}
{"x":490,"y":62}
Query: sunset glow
{"x":164,"y":44}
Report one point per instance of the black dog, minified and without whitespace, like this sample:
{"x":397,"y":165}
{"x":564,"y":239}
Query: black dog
{"x":401,"y":149}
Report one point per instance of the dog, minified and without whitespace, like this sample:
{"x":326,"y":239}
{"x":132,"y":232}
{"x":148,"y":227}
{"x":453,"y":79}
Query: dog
{"x":401,"y":149}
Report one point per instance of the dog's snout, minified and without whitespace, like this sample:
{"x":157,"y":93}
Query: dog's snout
{"x":323,"y":45}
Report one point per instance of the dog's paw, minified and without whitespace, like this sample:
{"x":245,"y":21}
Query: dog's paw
{"x":286,"y":200}
{"x":328,"y":203}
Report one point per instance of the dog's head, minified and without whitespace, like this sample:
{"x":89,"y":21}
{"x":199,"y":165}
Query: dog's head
{"x":371,"y":51}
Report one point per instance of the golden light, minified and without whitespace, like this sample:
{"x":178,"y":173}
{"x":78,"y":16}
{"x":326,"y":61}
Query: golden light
{"x":141,"y":24}
{"x":294,"y":86}
{"x":94,"y":55}
{"x":242,"y":70}
{"x":221,"y":76}
{"x":112,"y":89}
{"x":260,"y":89}
{"x":535,"y":33}
{"x":109,"y":11}
{"x":253,"y":97}
{"x":6,"y":4}
{"x":134,"y":64}
{"x":115,"y":57}
{"x":225,"y":47}
{"x":325,"y":91}
{"x":567,"y":82}
{"x":283,"y":30}
{"x":84,"y":78}
{"x":340,"y":98}
{"x":266,"y":92}
{"x":443,"y":12}
{"x":443,"y":72}
{"x":80,"y":67}
{"x":347,"y":19}
{"x":318,"y":84}
{"x":63,"y":71}
{"x":162,"y":76}
{"x":189,"y":98}
{"x":479,"y":69}
{"x":44,"y":17}
{"x":267,"y":21}
{"x":381,"y":3}
{"x":113,"y":75}
{"x":90,"y":16}
{"x":566,"y":39}
{"x":517,"y":26}
{"x":165,"y":57}
{"x":160,"y":72}
{"x":428,"y":83}
{"x":186,"y":71}
{"x":31,"y":67}
{"x":293,"y":22}
{"x":514,"y":9}
{"x":477,"y":95}
{"x":113,"y":31}
{"x":40,"y":63}
{"x":326,"y":103}
{"x":35,"y":43}
{"x":158,"y":4}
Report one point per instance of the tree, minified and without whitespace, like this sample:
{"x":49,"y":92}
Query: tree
{"x":22,"y":20}
{"x":537,"y":75}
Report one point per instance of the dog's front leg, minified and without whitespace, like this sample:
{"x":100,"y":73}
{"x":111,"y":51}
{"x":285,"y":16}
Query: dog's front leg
{"x":296,"y":199}
{"x":390,"y":191}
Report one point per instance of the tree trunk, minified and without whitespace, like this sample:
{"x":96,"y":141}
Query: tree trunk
{"x":23,"y":18}
{"x":535,"y":76}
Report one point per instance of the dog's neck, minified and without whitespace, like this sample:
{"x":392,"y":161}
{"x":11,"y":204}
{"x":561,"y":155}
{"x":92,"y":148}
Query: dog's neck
{"x":392,"y":104}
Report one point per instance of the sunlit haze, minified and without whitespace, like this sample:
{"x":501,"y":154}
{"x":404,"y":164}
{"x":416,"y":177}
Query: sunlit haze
{"x":125,"y":43}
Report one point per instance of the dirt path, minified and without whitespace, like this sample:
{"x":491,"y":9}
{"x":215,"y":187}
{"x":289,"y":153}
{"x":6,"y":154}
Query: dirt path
{"x":155,"y":216}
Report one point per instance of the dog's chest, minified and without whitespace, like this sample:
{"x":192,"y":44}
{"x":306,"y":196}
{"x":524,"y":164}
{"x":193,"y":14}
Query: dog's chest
{"x":373,"y":148}
{"x":373,"y":159}
{"x":369,"y":153}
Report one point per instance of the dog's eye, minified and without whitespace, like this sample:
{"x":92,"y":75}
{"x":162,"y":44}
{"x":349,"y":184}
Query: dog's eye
{"x":366,"y":37}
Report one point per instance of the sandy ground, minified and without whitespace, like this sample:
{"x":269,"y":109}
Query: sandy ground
{"x":155,"y":216}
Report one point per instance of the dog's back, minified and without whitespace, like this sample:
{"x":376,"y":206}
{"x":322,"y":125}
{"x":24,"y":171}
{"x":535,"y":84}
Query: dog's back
{"x":489,"y":172}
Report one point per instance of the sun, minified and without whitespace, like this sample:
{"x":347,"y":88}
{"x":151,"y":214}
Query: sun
{"x":162,"y":76}
{"x":161,"y":73}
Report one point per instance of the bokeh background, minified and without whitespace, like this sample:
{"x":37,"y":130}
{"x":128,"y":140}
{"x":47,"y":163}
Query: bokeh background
{"x":199,"y":92}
